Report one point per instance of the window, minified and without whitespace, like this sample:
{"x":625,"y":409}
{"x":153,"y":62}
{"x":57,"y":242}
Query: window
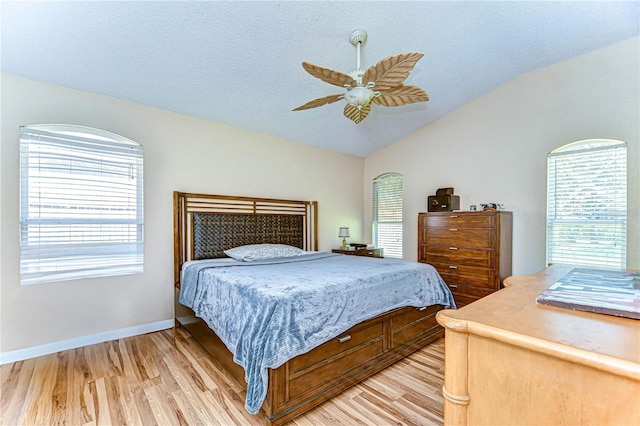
{"x":587,"y":204}
{"x":80,"y":204}
{"x":387,"y":214}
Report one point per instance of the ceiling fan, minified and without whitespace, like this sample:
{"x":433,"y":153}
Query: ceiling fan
{"x":381,"y":83}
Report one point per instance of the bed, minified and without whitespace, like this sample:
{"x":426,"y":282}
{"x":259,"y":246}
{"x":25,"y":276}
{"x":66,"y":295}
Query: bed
{"x":302,"y":336}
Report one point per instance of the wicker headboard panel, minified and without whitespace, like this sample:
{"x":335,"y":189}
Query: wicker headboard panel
{"x":206,"y":225}
{"x":213,"y":233}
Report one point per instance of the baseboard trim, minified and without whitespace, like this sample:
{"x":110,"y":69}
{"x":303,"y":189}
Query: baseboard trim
{"x":63,"y":345}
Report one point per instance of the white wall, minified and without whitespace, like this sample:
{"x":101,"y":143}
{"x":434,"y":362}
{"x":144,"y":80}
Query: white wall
{"x":494,"y":149}
{"x":181,"y":153}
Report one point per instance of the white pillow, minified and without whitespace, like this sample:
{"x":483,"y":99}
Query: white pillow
{"x":254,"y":252}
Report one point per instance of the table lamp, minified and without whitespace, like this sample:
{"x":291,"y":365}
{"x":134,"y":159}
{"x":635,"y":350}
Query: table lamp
{"x":344,"y":234}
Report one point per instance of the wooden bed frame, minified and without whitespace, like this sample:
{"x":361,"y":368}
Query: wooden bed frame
{"x":205,"y":225}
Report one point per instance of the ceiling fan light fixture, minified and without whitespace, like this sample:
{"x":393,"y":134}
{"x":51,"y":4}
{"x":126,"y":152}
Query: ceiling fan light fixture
{"x":359,"y":96}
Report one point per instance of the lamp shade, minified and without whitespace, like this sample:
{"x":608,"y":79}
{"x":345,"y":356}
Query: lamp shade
{"x":344,"y":232}
{"x":359,"y":96}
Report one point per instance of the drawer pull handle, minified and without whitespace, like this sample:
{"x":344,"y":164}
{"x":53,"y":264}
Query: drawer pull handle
{"x":453,"y":248}
{"x":453,"y":229}
{"x":453,"y":267}
{"x":422,"y":308}
{"x":454,"y":216}
{"x":453,"y":286}
{"x":344,"y":339}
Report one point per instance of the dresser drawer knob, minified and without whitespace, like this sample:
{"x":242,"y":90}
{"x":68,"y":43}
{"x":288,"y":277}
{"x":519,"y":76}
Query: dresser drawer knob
{"x":453,"y":248}
{"x":453,"y":229}
{"x":344,"y":339}
{"x":453,"y":267}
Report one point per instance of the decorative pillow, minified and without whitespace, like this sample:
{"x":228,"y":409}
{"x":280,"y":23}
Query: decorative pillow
{"x":254,"y":252}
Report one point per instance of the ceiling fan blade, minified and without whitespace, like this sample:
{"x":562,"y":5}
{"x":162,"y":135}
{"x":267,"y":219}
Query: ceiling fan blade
{"x":356,"y":114}
{"x":402,"y":95}
{"x":320,"y":101}
{"x":392,"y":71}
{"x":336,"y":78}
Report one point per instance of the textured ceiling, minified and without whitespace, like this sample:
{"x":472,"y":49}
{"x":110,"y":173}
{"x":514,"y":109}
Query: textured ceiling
{"x":238,"y":62}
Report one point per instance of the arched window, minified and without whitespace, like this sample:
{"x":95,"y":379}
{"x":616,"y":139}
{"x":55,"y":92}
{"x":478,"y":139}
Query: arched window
{"x":80,"y":204}
{"x":587,"y":204}
{"x":387,"y":214}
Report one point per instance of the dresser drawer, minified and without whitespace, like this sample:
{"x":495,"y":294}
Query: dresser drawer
{"x":466,"y":276}
{"x":374,"y":252}
{"x":458,"y":237}
{"x":456,"y":220}
{"x":463,"y":295}
{"x":370,"y":252}
{"x":454,"y":255}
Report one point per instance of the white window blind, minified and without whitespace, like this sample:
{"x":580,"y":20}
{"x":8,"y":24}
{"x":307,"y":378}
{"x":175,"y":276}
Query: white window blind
{"x":587,"y":204}
{"x":81,"y":212}
{"x":387,"y":214}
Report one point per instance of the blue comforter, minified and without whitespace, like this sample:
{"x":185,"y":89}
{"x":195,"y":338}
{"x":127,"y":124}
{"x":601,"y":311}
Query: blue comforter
{"x":267,"y":312}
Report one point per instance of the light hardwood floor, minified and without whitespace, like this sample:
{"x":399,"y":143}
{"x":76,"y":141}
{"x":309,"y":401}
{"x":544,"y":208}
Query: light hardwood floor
{"x":165,"y":378}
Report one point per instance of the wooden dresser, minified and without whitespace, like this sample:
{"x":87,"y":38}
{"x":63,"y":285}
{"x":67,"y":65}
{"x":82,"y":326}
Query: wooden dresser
{"x":470,"y":250}
{"x":511,"y":361}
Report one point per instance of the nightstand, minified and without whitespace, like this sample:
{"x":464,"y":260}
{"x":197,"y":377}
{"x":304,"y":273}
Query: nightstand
{"x":371,"y":252}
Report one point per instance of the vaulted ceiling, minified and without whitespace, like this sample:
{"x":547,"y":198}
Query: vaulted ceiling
{"x":239,"y":62}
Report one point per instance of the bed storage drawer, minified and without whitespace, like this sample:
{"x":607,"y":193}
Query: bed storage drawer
{"x":412,"y":323}
{"x":342,"y":346}
{"x":336,"y":362}
{"x":336,"y":365}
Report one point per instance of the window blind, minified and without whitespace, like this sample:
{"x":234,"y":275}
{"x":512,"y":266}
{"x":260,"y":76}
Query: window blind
{"x":587,"y":204}
{"x":81,"y":205}
{"x":387,"y":214}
